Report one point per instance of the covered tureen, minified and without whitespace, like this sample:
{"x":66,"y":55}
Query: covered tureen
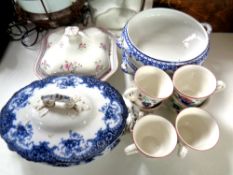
{"x":69,"y":50}
{"x":63,"y":120}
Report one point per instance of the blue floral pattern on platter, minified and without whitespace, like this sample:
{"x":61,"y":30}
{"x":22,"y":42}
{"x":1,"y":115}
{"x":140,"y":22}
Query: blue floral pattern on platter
{"x":73,"y":149}
{"x":129,"y":49}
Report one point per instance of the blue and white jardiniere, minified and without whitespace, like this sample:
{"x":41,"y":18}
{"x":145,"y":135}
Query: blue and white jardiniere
{"x":63,"y":120}
{"x":164,"y":38}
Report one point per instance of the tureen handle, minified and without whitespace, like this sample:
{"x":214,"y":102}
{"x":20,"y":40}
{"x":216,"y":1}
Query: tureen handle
{"x":49,"y":100}
{"x":126,"y":65}
{"x":75,"y":103}
{"x":208,"y":27}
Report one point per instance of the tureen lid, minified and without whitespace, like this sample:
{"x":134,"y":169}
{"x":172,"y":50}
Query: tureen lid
{"x":90,"y":52}
{"x":63,"y":120}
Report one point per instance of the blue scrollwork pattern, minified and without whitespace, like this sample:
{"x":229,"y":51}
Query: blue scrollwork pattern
{"x":73,"y":149}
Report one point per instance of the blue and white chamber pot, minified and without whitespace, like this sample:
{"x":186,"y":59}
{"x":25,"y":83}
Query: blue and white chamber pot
{"x":63,"y":120}
{"x":164,"y":38}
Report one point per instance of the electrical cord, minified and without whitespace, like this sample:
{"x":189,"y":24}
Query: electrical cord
{"x":25,"y":38}
{"x":28,"y":34}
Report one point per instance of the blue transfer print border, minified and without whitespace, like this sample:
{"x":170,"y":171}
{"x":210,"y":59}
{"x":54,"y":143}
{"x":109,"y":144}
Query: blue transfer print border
{"x":147,"y":60}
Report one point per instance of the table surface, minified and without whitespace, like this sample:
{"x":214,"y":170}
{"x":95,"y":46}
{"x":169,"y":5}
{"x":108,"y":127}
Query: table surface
{"x":16,"y":71}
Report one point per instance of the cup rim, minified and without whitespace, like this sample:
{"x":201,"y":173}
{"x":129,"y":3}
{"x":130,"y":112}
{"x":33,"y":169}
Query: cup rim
{"x":189,"y":96}
{"x":180,"y":138}
{"x":143,"y":152}
{"x":144,"y":92}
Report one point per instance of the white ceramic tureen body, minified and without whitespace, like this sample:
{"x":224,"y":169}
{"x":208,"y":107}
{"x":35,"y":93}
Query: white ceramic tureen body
{"x":63,"y":120}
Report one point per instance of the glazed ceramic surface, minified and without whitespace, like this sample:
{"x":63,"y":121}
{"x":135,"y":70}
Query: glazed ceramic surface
{"x":114,"y":18}
{"x":172,"y":39}
{"x":63,"y":120}
{"x":153,"y":136}
{"x":141,"y":100}
{"x":88,"y":52}
{"x":179,"y":105}
{"x":194,"y":84}
{"x":152,"y":86}
{"x":196,"y":129}
{"x":114,"y":14}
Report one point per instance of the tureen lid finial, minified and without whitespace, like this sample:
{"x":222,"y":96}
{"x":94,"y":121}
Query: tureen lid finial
{"x":73,"y":33}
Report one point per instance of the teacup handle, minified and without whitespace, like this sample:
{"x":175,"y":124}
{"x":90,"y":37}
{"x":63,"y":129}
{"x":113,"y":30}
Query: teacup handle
{"x":134,"y":113}
{"x":207,"y":27}
{"x":131,"y":94}
{"x":131,"y":149}
{"x":132,"y":118}
{"x":220,"y":86}
{"x":182,"y":150}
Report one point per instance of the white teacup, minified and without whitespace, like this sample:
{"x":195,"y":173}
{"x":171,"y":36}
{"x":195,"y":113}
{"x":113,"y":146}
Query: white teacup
{"x":196,"y":129}
{"x":154,"y":136}
{"x":193,"y":84}
{"x":152,"y":86}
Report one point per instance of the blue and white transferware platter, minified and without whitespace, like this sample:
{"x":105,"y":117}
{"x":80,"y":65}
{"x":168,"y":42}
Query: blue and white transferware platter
{"x":63,"y":120}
